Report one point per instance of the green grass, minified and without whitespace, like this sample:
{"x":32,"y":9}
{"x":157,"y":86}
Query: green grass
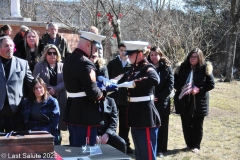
{"x":221,"y":139}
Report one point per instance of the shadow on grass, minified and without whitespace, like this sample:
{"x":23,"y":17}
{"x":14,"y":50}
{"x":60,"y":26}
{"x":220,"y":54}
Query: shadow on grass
{"x":174,"y":151}
{"x":169,"y":152}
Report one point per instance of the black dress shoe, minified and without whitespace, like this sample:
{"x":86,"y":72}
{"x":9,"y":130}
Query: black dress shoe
{"x":129,"y":150}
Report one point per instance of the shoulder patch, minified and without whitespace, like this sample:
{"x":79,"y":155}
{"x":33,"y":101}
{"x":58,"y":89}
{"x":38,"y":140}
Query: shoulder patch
{"x":150,"y":69}
{"x":92,"y":75}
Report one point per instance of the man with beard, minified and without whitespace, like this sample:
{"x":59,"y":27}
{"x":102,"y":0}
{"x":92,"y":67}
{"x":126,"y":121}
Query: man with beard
{"x":58,"y":40}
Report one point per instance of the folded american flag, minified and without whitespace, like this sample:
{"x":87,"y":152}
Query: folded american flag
{"x":187,"y":88}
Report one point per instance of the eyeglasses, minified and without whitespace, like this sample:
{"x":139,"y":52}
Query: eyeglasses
{"x":50,"y":53}
{"x":93,"y":57}
{"x":193,"y":57}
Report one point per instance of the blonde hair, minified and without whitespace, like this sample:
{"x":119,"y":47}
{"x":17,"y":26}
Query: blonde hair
{"x":146,"y":52}
{"x":47,"y":47}
{"x":101,"y":62}
{"x":23,"y":28}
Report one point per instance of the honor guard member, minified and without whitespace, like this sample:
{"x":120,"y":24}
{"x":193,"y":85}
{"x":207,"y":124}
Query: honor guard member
{"x":82,"y":109}
{"x":142,"y":115}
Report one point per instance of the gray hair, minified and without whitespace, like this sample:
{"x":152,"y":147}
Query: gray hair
{"x":4,"y":37}
{"x":52,"y":24}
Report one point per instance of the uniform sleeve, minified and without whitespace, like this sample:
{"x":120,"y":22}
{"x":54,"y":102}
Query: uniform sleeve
{"x":88,"y":79}
{"x":114,"y":117}
{"x":152,"y":78}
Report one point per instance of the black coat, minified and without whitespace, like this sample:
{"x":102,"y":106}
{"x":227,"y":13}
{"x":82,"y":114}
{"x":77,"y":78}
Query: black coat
{"x":18,"y":37}
{"x":101,"y":70}
{"x":144,"y":113}
{"x":21,"y":53}
{"x":79,"y":75}
{"x":204,"y":80}
{"x":163,"y":90}
{"x":109,"y":117}
{"x":115,"y":68}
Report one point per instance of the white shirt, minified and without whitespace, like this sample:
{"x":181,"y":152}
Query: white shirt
{"x":124,"y":63}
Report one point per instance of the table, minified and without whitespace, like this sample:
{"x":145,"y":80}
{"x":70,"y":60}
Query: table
{"x":75,"y":153}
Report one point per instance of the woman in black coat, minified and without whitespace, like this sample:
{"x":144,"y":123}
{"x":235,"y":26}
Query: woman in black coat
{"x":192,"y":81}
{"x":162,"y":92}
{"x":30,"y":48}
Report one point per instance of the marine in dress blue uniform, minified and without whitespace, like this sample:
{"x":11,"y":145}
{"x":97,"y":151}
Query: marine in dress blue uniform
{"x":142,"y":115}
{"x":82,"y":108}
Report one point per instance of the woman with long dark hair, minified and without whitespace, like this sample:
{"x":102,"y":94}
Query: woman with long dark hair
{"x":40,"y":110}
{"x":162,"y":92}
{"x":193,"y":80}
{"x":30,"y":48}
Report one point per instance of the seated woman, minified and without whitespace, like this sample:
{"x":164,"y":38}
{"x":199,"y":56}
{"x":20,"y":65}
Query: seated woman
{"x":40,"y":110}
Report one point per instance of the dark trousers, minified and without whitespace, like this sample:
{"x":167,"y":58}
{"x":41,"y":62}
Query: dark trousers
{"x":117,"y":142}
{"x":10,"y":121}
{"x":145,"y":142}
{"x":78,"y":135}
{"x":192,"y":130}
{"x":162,"y":140}
{"x":123,"y":129}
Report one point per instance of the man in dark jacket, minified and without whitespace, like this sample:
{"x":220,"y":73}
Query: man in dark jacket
{"x":55,"y":38}
{"x":118,"y":66}
{"x":82,"y":108}
{"x":109,"y":120}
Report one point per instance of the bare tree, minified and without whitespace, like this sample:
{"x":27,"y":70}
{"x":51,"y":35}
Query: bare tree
{"x":234,"y":21}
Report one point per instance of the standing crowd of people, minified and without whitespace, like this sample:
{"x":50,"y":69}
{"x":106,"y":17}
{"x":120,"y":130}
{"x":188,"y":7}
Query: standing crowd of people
{"x":47,"y":87}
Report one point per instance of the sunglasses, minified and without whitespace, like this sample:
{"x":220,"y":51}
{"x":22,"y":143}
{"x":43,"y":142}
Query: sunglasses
{"x":50,"y":53}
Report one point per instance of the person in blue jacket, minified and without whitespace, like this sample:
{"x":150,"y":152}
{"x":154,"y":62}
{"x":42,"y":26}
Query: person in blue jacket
{"x":41,"y":111}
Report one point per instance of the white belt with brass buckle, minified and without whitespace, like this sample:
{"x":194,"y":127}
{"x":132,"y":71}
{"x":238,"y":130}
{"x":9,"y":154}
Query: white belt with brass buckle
{"x":78,"y":94}
{"x":140,"y":99}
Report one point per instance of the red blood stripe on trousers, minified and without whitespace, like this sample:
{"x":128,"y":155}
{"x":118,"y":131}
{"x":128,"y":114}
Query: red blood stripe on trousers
{"x":88,"y":134}
{"x":149,"y":144}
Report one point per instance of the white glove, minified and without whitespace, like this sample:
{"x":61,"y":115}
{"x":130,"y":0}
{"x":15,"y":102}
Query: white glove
{"x":116,"y":79}
{"x":105,"y":81}
{"x":130,"y":84}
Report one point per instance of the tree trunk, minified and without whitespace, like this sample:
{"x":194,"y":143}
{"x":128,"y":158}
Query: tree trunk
{"x":231,"y":56}
{"x":117,"y":32}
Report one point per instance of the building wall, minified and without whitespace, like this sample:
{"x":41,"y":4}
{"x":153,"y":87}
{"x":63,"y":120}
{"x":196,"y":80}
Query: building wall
{"x":71,"y":37}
